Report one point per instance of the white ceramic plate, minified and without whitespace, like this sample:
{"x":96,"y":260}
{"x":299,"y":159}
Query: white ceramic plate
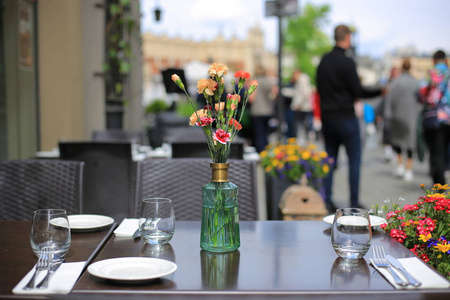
{"x":132,"y":268}
{"x":89,"y":222}
{"x":374,"y":220}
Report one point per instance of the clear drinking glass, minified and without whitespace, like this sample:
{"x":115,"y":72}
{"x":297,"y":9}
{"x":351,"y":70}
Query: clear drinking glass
{"x":50,"y":228}
{"x":351,"y":234}
{"x":157,"y":221}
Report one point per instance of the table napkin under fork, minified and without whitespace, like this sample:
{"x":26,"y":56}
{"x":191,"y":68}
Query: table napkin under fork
{"x":62,"y":280}
{"x":418,"y":270}
{"x":127,"y":228}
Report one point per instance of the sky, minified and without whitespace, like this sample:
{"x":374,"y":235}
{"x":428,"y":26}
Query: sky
{"x":383,"y":25}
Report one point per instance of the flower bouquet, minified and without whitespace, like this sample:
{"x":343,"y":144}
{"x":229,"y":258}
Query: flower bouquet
{"x":424,"y":227}
{"x":293,"y":161}
{"x":220,"y":122}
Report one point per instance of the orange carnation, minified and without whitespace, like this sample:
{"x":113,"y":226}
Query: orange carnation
{"x":207,"y":86}
{"x":242,"y":74}
{"x":217,"y":69}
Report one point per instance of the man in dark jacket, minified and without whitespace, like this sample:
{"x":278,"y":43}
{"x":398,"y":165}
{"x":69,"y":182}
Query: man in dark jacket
{"x":339,"y":87}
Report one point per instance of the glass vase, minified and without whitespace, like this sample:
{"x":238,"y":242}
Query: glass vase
{"x":220,"y":216}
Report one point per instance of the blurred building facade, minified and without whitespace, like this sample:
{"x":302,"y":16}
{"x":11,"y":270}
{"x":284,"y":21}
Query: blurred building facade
{"x":52,"y":86}
{"x":161,"y":52}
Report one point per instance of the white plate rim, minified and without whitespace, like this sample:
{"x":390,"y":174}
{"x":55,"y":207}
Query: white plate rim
{"x":374,"y":220}
{"x":103,"y":221}
{"x":94,"y":269}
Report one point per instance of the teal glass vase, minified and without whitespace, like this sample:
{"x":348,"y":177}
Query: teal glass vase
{"x":220,"y":215}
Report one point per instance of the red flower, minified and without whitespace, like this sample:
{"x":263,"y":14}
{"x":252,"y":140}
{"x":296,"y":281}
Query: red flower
{"x":221,"y":136}
{"x":205,"y":121}
{"x":235,"y":124}
{"x":424,"y":257}
{"x":242,"y":74}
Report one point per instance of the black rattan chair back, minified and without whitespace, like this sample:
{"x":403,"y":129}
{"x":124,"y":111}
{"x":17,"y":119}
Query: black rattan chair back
{"x":120,"y":135}
{"x":182,"y":179}
{"x":28,"y":185}
{"x":108,"y":178}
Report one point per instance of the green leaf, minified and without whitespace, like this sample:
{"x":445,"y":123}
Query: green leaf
{"x":112,"y":53}
{"x":114,"y":9}
{"x":124,"y":67}
{"x":118,"y":88}
{"x":106,"y":67}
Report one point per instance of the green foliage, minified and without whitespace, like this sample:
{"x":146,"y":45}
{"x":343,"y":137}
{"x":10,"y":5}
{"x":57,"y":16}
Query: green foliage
{"x":303,"y":37}
{"x":157,"y":106}
{"x":184,"y":109}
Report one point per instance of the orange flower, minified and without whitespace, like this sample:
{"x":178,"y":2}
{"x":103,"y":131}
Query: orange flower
{"x":177,"y":80}
{"x":217,"y":69}
{"x":219,"y":106}
{"x":200,"y":113}
{"x":235,"y":124}
{"x":207,"y":86}
{"x":242,"y":74}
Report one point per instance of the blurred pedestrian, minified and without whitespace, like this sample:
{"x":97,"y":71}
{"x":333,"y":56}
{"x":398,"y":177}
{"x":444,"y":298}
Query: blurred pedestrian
{"x":262,"y":109}
{"x":401,"y":111}
{"x":302,"y":104}
{"x":287,"y":93}
{"x":339,"y":87}
{"x":436,"y":115}
{"x":380,"y":112}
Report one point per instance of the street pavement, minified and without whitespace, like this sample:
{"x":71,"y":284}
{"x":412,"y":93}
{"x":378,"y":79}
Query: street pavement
{"x":377,"y":182}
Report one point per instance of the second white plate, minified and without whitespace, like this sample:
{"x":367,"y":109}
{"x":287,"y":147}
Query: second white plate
{"x":132,"y":268}
{"x":89,"y":222}
{"x":374,"y":220}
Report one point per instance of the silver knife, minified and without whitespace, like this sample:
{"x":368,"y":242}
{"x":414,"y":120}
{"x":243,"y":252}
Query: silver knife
{"x":396,"y":264}
{"x":136,"y":234}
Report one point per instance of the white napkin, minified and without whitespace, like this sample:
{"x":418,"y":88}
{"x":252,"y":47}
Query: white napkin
{"x":62,"y":280}
{"x":419,"y":271}
{"x":127,"y":228}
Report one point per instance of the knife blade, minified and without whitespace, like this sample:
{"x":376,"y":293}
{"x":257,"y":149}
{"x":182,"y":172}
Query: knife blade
{"x":396,"y":264}
{"x":136,"y":234}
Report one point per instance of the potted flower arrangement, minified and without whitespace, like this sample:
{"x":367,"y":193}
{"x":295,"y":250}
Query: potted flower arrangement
{"x":286,"y":163}
{"x":424,"y":227}
{"x":220,"y":122}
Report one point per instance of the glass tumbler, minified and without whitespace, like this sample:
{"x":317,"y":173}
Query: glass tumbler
{"x":351,"y":234}
{"x":157,"y":221}
{"x":50,"y":228}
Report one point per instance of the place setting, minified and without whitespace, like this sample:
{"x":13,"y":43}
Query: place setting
{"x":351,"y":237}
{"x":155,"y":227}
{"x":50,"y":239}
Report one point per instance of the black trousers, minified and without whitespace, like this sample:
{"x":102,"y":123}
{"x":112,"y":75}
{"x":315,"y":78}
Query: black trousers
{"x":438,"y":142}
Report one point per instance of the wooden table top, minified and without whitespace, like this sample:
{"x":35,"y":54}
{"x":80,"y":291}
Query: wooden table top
{"x":275,"y":258}
{"x":17,"y":258}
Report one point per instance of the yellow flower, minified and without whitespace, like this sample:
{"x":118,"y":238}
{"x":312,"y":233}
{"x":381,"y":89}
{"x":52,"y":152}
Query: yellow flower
{"x":425,"y":238}
{"x":323,"y":154}
{"x":263,"y":154}
{"x":325,"y":168}
{"x":442,"y":248}
{"x":268,"y":169}
{"x":438,"y":186}
{"x":316,"y":157}
{"x":293,"y":158}
{"x":292,"y":141}
{"x":275,"y":163}
{"x":306,"y":155}
{"x":312,"y":147}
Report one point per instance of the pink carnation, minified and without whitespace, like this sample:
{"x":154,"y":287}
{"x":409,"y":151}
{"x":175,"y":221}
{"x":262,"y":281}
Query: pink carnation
{"x":221,"y":136}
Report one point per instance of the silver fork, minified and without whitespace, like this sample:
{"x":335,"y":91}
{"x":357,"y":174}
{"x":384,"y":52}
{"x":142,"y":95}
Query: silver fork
{"x":54,"y":265}
{"x":41,"y":265}
{"x":380,"y":261}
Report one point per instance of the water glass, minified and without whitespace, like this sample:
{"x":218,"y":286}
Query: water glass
{"x":157,"y":221}
{"x":50,"y":228}
{"x":351,"y":233}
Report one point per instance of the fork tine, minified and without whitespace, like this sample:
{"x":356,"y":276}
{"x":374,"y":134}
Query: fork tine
{"x":383,"y":253}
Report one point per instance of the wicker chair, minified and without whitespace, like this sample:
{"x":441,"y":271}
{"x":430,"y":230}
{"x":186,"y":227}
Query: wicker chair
{"x":109,"y":177}
{"x":28,"y":185}
{"x":182,"y":179}
{"x":119,"y":135}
